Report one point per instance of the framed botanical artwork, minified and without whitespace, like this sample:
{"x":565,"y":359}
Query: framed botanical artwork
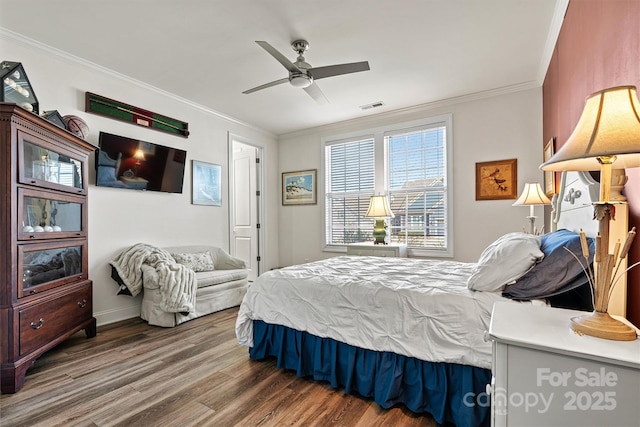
{"x":299,"y":188}
{"x":497,"y":180}
{"x":549,"y":176}
{"x":206,"y":183}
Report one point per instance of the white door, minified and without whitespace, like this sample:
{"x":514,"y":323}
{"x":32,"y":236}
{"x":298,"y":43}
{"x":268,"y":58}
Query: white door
{"x":244,"y":210}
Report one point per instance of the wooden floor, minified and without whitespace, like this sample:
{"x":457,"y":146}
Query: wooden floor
{"x":133,"y":374}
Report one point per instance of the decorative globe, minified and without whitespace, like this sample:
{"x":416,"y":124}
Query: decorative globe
{"x":76,"y":126}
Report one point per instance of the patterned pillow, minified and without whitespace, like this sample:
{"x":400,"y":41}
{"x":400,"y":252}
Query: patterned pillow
{"x":201,"y":261}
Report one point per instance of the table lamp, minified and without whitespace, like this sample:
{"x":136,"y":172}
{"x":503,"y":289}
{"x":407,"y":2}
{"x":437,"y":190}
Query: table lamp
{"x":139,"y":156}
{"x":607,"y":136}
{"x":531,"y":196}
{"x":379,"y":209}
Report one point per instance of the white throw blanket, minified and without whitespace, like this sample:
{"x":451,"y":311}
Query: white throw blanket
{"x":177,"y":283}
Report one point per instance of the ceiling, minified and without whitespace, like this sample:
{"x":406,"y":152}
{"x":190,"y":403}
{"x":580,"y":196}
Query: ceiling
{"x":204,"y":51}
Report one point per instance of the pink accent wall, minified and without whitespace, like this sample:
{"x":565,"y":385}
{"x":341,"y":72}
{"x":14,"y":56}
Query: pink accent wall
{"x":598,"y":47}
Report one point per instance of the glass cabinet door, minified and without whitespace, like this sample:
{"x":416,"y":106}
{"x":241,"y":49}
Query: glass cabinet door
{"x":45,"y":266}
{"x":47,"y":215}
{"x":47,"y":166}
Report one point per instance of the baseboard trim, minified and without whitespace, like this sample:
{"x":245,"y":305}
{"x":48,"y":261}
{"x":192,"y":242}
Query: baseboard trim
{"x":111,"y":316}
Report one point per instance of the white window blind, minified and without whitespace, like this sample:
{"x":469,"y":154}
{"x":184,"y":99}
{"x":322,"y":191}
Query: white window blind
{"x":416,"y":170}
{"x":350,"y":182}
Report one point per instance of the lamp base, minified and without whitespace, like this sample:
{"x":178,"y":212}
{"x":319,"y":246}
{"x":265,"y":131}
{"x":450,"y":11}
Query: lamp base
{"x":380,"y":232}
{"x":601,"y":325}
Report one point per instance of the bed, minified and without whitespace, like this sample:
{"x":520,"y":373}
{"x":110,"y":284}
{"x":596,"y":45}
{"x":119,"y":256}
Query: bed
{"x":404,"y":330}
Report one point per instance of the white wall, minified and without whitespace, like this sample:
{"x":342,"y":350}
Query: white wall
{"x":485,"y":128}
{"x":119,"y":218}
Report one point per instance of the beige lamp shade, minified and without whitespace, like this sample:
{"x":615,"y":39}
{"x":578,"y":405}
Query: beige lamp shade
{"x":139,"y":155}
{"x":609,"y":126}
{"x":532,"y":195}
{"x":379,"y":207}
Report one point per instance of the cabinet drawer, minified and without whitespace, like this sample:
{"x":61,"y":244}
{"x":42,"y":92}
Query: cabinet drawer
{"x":49,"y":319}
{"x":58,"y":215}
{"x":44,"y":266}
{"x":48,"y":162}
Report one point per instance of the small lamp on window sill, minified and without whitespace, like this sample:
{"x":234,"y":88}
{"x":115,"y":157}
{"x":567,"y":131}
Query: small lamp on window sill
{"x":606,"y":137}
{"x":531,"y":196}
{"x":379,"y":209}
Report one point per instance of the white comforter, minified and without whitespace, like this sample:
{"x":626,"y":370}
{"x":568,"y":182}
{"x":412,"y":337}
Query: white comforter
{"x":413,"y":307}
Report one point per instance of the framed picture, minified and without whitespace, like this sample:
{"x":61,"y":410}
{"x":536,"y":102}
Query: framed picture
{"x":205,"y":183}
{"x":549,"y":176}
{"x":54,"y":117}
{"x":299,"y":188}
{"x":497,"y":180}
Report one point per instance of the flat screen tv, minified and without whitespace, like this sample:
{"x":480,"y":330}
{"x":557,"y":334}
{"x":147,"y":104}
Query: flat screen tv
{"x":123,"y":162}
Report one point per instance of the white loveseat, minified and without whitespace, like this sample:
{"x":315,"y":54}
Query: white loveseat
{"x":222,"y":288}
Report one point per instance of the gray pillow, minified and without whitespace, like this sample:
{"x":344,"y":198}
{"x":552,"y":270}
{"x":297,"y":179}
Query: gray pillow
{"x":558,"y":272}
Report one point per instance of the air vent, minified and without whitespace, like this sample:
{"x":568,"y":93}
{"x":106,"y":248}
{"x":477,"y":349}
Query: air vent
{"x":373,"y":105}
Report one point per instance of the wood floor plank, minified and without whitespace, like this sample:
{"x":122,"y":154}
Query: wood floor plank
{"x":193,"y":375}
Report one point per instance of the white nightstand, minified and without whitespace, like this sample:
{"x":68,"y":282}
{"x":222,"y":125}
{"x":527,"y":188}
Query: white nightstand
{"x":544,"y":374}
{"x":369,"y":249}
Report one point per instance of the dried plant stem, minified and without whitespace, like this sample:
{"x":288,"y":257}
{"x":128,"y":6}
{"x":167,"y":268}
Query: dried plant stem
{"x":620,"y":276}
{"x":585,"y":254}
{"x":627,"y":243}
{"x":623,"y":254}
{"x":605,"y":269}
{"x":589,"y":275}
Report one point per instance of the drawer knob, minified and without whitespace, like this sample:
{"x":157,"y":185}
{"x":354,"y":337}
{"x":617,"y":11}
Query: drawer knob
{"x":82,"y":303}
{"x":38,"y":325}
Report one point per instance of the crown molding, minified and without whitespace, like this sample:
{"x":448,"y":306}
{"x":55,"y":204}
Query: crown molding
{"x":401,"y":113}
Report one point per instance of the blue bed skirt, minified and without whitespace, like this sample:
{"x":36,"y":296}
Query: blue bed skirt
{"x":451,"y":393}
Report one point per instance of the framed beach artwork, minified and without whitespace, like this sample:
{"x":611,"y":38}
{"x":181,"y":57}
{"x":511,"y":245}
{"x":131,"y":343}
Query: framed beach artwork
{"x":205,"y":183}
{"x":299,"y":188}
{"x":497,"y":180}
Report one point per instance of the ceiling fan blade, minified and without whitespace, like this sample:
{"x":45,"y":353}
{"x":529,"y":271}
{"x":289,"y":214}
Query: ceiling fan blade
{"x":336,"y":70}
{"x":279,"y":57}
{"x":266,"y":85}
{"x":315,"y":92}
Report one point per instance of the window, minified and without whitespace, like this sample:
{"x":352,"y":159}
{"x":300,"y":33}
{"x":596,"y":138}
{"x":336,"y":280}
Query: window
{"x":408,"y":163}
{"x":350,"y":183}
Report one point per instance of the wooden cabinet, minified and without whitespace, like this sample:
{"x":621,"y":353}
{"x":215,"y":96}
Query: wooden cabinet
{"x":369,"y":249}
{"x":45,"y":291}
{"x":544,"y":374}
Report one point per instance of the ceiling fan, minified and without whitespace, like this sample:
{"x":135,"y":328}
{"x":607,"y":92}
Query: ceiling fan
{"x":302,"y":74}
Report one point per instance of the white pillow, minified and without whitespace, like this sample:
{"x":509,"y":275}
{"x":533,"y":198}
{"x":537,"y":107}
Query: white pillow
{"x":505,"y":260}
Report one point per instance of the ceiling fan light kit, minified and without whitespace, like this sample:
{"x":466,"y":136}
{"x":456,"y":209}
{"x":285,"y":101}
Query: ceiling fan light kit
{"x":302,"y":74}
{"x":300,"y":80}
